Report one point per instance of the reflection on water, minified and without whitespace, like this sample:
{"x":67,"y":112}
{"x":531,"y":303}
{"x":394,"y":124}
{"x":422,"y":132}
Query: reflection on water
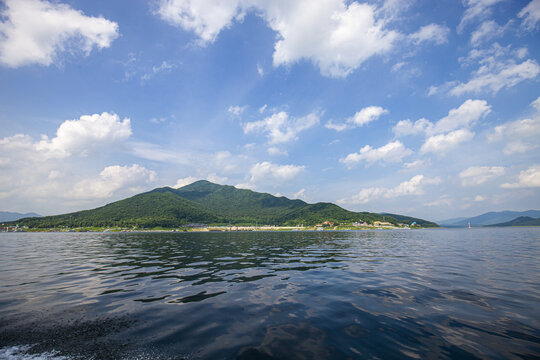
{"x":271,"y":295}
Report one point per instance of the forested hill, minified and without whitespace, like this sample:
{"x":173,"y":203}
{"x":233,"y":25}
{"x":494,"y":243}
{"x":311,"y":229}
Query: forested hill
{"x":204,"y":202}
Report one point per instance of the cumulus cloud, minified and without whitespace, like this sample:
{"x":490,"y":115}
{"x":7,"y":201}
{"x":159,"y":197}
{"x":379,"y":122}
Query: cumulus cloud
{"x":392,"y":152}
{"x":335,"y":35}
{"x":530,"y":15}
{"x":84,"y":134}
{"x":36,"y":32}
{"x":520,"y":135}
{"x":113,"y":178}
{"x":280,"y":128}
{"x":73,"y":137}
{"x":407,"y":127}
{"x":414,"y":186}
{"x":431,"y":33}
{"x":478,"y":175}
{"x":184,"y":181}
{"x":44,"y":172}
{"x":527,"y":179}
{"x":444,"y":142}
{"x":264,"y":171}
{"x":361,"y":118}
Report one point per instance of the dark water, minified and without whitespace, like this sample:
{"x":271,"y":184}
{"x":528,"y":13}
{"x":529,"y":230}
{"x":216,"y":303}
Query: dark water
{"x":459,"y":294}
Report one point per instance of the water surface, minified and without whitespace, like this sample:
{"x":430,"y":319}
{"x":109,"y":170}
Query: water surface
{"x":456,"y":294}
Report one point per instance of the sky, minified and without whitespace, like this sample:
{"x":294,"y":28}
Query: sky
{"x":424,"y":108}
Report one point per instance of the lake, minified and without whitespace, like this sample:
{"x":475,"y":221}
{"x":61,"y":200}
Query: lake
{"x":442,"y":293}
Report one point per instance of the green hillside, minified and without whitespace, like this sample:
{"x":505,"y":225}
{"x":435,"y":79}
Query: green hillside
{"x":207,"y":203}
{"x":239,"y":204}
{"x":316,"y":213}
{"x":160,"y":207}
{"x":520,"y":221}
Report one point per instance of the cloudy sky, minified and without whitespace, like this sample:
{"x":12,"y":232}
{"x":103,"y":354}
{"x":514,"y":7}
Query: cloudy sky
{"x":425,"y":108}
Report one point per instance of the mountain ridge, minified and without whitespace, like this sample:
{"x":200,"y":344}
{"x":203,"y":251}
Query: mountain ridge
{"x":6,"y":216}
{"x":489,"y":218}
{"x":208,"y":203}
{"x":519,"y":221}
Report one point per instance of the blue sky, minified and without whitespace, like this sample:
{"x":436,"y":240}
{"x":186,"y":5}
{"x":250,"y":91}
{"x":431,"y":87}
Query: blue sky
{"x":430,"y":109}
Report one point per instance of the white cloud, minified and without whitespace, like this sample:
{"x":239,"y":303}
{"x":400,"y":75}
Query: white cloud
{"x":392,"y":152}
{"x":247,"y":186}
{"x":260,"y":70}
{"x":520,"y":135}
{"x":89,"y":132}
{"x":499,"y":67}
{"x":503,"y":76}
{"x":527,"y":179}
{"x":530,"y":15}
{"x":216,"y":178}
{"x":337,"y":127}
{"x":36,"y":32}
{"x":276,"y":151}
{"x":407,"y":127}
{"x":414,"y":186}
{"x":279,"y":128}
{"x":417,"y":164}
{"x":113,"y":178}
{"x":477,"y":175}
{"x":479,"y":198}
{"x":262,"y":108}
{"x":475,"y":9}
{"x":184,"y":181}
{"x":444,"y":142}
{"x":361,"y":118}
{"x":464,"y":116}
{"x":336,"y":36}
{"x":266,"y":171}
{"x":536,"y":104}
{"x":73,"y":137}
{"x":205,"y":18}
{"x":487,"y":31}
{"x":367,"y":115}
{"x":432,"y":32}
{"x":237,"y":110}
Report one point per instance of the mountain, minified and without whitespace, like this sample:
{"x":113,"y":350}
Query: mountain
{"x":490,"y":218}
{"x":208,"y":203}
{"x":410,"y":220}
{"x":520,"y":221}
{"x":6,"y":216}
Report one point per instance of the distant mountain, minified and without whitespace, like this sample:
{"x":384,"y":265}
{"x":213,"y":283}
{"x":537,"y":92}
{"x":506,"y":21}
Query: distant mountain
{"x":208,"y":203}
{"x":520,"y":221}
{"x":490,"y":218}
{"x":6,"y":216}
{"x":410,"y":220}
